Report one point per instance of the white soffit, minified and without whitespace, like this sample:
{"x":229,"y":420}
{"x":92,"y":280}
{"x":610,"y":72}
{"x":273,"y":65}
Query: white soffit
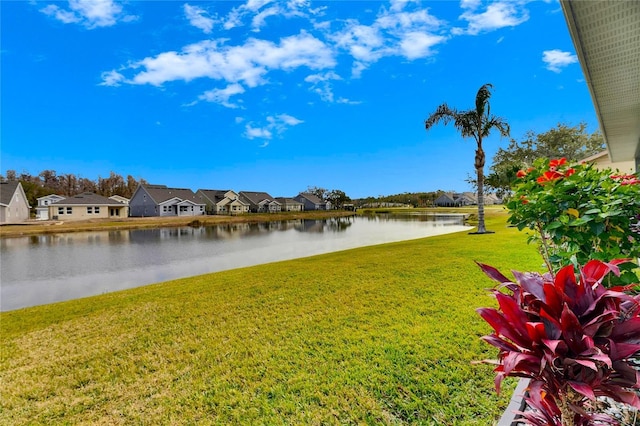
{"x":606,"y":35}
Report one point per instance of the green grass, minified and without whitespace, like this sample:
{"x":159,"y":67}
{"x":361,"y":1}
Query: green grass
{"x":377,"y":335}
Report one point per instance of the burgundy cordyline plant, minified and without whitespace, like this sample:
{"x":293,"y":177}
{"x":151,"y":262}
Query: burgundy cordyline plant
{"x":571,"y":336}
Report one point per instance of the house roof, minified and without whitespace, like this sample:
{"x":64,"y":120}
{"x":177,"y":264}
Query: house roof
{"x":120,"y":199}
{"x":51,"y":196}
{"x":88,"y":198}
{"x":160,"y":193}
{"x":213,"y":195}
{"x":605,"y":36}
{"x":285,"y":200}
{"x":7,"y":189}
{"x":255,"y":197}
{"x":311,"y":197}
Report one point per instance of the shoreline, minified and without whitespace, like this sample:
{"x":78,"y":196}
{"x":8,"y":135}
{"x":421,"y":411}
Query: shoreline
{"x":33,"y":227}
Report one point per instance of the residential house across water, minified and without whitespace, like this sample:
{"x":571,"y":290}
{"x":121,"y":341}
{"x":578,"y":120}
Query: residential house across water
{"x":14,"y":207}
{"x":260,"y":202}
{"x":42,"y":209}
{"x":86,"y":206}
{"x":159,"y":200}
{"x":222,"y":201}
{"x":312,"y":201}
{"x":289,"y":204}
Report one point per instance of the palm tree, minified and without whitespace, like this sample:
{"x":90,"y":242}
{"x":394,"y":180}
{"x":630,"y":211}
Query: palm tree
{"x":476,"y":123}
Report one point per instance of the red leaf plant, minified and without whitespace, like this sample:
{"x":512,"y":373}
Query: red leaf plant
{"x":571,"y":336}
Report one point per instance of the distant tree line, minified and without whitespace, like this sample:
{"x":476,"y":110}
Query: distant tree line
{"x":415,"y":199}
{"x":49,"y":182}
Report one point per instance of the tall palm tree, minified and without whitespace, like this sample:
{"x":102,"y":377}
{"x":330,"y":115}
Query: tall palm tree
{"x":476,"y":123}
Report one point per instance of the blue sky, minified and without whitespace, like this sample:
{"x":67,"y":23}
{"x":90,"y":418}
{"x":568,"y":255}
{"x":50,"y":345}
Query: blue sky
{"x":277,"y":96}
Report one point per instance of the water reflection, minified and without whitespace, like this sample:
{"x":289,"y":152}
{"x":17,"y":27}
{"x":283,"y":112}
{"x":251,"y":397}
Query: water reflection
{"x":49,"y":268}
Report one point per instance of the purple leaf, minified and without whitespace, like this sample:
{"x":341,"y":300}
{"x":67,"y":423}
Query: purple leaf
{"x":493,"y":273}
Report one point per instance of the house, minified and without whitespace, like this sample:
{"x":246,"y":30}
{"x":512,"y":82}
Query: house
{"x":260,"y":202}
{"x":122,"y":200}
{"x":86,"y":206}
{"x":446,"y":200}
{"x":290,"y":205}
{"x":605,"y":37}
{"x":42,"y":209}
{"x":466,"y":198}
{"x":159,"y":200}
{"x":222,"y":201}
{"x":492,"y":199}
{"x":602,"y":160}
{"x":312,"y":201}
{"x":14,"y":207}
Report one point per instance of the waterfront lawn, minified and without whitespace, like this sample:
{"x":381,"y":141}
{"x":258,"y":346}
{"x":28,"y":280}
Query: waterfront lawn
{"x":377,"y":335}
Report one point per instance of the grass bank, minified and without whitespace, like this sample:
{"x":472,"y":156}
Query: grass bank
{"x":377,"y":335}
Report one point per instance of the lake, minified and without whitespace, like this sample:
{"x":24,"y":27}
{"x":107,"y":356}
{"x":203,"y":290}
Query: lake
{"x":44,"y":269}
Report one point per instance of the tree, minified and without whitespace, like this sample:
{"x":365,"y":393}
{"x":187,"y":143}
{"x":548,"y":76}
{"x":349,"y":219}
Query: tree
{"x":563,"y":141}
{"x":318,"y":192}
{"x":337,"y":198}
{"x":476,"y":123}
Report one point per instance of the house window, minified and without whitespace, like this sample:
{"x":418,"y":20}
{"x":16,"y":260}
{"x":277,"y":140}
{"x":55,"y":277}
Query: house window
{"x":96,"y":209}
{"x":60,"y":210}
{"x":89,"y":210}
{"x":69,"y":210}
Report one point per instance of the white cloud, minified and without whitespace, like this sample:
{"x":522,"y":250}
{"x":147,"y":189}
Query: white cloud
{"x":112,"y":78}
{"x":288,"y":120}
{"x":321,"y":84}
{"x":277,"y":125}
{"x":89,"y":13}
{"x":197,"y":17}
{"x":497,"y":15}
{"x":402,"y":30}
{"x":257,"y":11}
{"x":64,"y":16}
{"x":256,"y":132}
{"x":222,"y":96}
{"x":557,"y":59}
{"x":418,"y":45}
{"x":247,"y":63}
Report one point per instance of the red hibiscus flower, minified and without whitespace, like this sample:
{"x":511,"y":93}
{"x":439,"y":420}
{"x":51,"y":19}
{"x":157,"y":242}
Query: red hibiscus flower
{"x":549,"y":176}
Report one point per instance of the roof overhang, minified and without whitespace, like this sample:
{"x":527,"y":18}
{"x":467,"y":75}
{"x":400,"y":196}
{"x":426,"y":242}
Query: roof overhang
{"x":606,"y":36}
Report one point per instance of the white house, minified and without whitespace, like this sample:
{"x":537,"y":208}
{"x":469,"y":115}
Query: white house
{"x":42,"y":209}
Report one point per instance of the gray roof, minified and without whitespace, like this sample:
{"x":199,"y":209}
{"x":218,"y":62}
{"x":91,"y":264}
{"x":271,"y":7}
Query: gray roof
{"x":160,"y":193}
{"x":255,"y":197}
{"x":213,"y":195}
{"x":311,"y":197}
{"x":286,"y":200}
{"x":88,"y":198}
{"x":7,"y":189}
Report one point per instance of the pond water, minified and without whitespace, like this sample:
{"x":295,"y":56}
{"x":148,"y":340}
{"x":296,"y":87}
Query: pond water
{"x":44,"y":269}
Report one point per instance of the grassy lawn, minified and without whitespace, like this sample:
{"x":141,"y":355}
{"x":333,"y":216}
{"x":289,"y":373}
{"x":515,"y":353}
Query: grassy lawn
{"x":377,"y":335}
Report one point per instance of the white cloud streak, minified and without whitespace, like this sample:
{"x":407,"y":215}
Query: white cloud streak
{"x":556,"y":60}
{"x":89,"y":13}
{"x":396,"y":31}
{"x":497,"y":15}
{"x":276,"y":125}
{"x":198,"y":18}
{"x":247,"y":64}
{"x":222,"y":96}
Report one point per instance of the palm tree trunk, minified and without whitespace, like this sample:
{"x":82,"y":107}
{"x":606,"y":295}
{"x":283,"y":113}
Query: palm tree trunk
{"x":479,"y":163}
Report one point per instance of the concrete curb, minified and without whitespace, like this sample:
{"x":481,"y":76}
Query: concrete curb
{"x":517,"y":403}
